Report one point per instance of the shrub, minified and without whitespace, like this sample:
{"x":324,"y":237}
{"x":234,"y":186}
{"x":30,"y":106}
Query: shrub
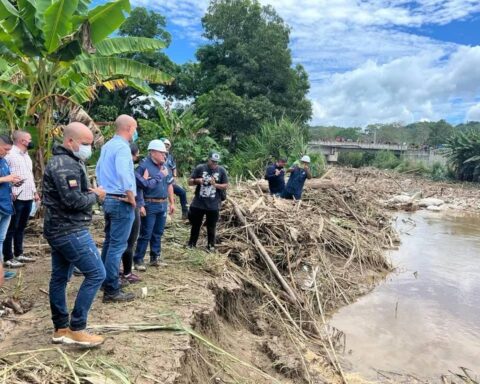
{"x":385,"y":160}
{"x":352,"y":159}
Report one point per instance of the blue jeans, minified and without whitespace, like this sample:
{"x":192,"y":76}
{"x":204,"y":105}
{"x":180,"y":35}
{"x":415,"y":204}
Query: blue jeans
{"x":119,"y":217}
{"x":182,"y":194}
{"x":151,"y":230}
{"x":4,"y":222}
{"x":16,"y":230}
{"x":76,"y":249}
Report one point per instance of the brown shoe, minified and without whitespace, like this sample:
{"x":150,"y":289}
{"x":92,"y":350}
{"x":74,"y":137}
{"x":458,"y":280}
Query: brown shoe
{"x":59,"y":335}
{"x":82,"y":338}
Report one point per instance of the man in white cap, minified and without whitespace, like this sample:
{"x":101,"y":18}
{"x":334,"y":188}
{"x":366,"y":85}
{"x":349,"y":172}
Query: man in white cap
{"x":157,"y":200}
{"x":298,"y":175}
{"x":177,"y":190}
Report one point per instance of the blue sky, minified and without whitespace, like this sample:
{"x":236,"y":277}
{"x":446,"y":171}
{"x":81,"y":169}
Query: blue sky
{"x":370,"y":60}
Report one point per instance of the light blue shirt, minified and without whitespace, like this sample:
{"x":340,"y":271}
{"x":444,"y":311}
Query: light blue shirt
{"x":114,"y":170}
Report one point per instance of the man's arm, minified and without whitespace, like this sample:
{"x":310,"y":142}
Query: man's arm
{"x":67,"y":183}
{"x":223,"y":182}
{"x":124,"y":163}
{"x":308,"y":172}
{"x":270,"y":172}
{"x":196,"y":177}
{"x":171,"y":200}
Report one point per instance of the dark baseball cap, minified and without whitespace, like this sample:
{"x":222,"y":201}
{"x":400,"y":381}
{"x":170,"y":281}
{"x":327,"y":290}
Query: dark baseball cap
{"x":214,"y":156}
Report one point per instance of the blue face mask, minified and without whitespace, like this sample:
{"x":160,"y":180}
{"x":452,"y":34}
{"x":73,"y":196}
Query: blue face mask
{"x":135,"y":136}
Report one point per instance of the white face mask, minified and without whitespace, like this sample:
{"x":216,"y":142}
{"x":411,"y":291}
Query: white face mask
{"x":84,"y":152}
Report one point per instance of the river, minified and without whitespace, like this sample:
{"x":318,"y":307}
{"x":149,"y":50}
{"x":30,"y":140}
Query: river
{"x":424,"y":319}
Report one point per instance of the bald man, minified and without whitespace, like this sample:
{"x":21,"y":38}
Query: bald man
{"x":115,"y":173}
{"x":69,"y":199}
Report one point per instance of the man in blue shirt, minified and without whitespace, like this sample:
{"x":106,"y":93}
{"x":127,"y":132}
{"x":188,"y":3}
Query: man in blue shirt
{"x":275,"y":174}
{"x":6,"y":205}
{"x":298,"y":175}
{"x":154,"y":197}
{"x":115,"y":174}
{"x":177,"y":190}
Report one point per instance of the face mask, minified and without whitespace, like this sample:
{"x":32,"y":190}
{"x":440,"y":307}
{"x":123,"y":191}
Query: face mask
{"x":84,"y":152}
{"x":30,"y":145}
{"x":135,"y":136}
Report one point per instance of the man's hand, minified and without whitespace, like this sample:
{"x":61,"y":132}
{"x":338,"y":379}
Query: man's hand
{"x":171,"y":209}
{"x":143,"y":211}
{"x":212,"y":181}
{"x":277,"y":172}
{"x":164,"y":171}
{"x":146,"y":175}
{"x":100,"y":192}
{"x":199,"y":181}
{"x":36,"y":197}
{"x":14,"y":179}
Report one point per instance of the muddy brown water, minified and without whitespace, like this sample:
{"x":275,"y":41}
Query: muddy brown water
{"x":424,"y":319}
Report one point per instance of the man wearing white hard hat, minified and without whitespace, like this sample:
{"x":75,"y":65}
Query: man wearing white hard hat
{"x":298,"y":175}
{"x":157,"y":200}
{"x":177,"y":190}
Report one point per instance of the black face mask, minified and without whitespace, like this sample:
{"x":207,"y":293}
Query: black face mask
{"x":136,"y":161}
{"x":30,"y":145}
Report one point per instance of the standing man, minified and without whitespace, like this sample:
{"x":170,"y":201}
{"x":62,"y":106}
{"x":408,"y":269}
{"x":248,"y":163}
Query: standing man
{"x":298,"y":175}
{"x":69,"y":199}
{"x":275,"y":174}
{"x":24,"y":195}
{"x":6,"y":206}
{"x":115,"y":173}
{"x":177,"y":190}
{"x":212,"y":182}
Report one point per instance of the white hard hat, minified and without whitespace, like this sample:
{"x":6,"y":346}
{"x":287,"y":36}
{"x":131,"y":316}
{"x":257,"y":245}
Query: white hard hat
{"x":166,"y":141}
{"x":157,"y":145}
{"x":305,"y":159}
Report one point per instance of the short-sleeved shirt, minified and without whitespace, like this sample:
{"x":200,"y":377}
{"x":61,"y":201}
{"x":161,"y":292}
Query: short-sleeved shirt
{"x":6,"y":206}
{"x":276,"y":183}
{"x":296,"y":181}
{"x":206,"y":195}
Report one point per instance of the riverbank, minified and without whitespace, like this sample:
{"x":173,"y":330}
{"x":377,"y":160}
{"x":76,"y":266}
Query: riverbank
{"x":228,"y":316}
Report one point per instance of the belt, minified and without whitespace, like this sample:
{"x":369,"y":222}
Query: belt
{"x":148,"y":200}
{"x":116,"y":195}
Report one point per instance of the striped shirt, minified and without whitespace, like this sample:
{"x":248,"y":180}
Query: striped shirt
{"x":20,"y":164}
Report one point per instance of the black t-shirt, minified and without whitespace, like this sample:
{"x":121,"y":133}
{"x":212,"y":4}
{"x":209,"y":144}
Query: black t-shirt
{"x":206,"y":195}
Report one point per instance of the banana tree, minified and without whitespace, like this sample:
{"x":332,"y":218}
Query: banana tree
{"x":57,"y":52}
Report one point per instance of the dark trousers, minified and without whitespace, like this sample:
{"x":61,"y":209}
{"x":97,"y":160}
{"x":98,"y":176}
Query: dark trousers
{"x":16,"y":229}
{"x":127,"y":257}
{"x":182,"y":194}
{"x":79,"y":250}
{"x":195,"y":216}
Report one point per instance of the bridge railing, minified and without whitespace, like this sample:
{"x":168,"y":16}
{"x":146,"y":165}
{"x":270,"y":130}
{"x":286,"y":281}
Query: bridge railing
{"x":354,"y":144}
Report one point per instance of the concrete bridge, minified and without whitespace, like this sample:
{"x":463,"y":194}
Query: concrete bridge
{"x":331,"y":149}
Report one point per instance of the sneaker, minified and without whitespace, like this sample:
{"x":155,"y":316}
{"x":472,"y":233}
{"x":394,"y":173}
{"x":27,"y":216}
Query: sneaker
{"x":83,"y":338}
{"x":132,"y":278}
{"x":13,"y":264}
{"x":120,"y":297}
{"x":59,"y":335}
{"x":190,"y":246}
{"x":210,"y":248}
{"x":25,"y":259}
{"x":140,"y":267}
{"x":124,"y":282}
{"x":7,"y":275}
{"x":185,"y":214}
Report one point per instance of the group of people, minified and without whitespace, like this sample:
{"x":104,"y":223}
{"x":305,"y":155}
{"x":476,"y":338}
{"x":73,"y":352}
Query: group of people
{"x":275,"y":174}
{"x":135,"y":201}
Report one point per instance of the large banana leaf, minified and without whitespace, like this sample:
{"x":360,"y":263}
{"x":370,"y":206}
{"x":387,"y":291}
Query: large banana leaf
{"x":58,"y":22}
{"x":41,"y":7}
{"x":105,"y":19}
{"x":8,"y":88}
{"x":140,"y":85}
{"x":113,"y":68}
{"x":26,"y":9}
{"x":8,"y":16}
{"x":118,"y":45}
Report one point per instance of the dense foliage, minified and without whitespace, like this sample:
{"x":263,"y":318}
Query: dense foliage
{"x":463,"y":153}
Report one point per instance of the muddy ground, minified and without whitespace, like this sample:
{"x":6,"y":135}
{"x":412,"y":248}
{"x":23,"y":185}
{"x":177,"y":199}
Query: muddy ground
{"x":190,"y":294}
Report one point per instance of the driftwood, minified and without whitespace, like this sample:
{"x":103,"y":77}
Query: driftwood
{"x":264,"y":254}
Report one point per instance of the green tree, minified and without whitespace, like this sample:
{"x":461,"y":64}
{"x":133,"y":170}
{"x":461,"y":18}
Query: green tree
{"x":245,"y":73}
{"x":58,"y":51}
{"x":463,"y":153}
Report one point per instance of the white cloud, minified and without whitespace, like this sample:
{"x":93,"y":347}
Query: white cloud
{"x":473,"y":114}
{"x":364,"y":61}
